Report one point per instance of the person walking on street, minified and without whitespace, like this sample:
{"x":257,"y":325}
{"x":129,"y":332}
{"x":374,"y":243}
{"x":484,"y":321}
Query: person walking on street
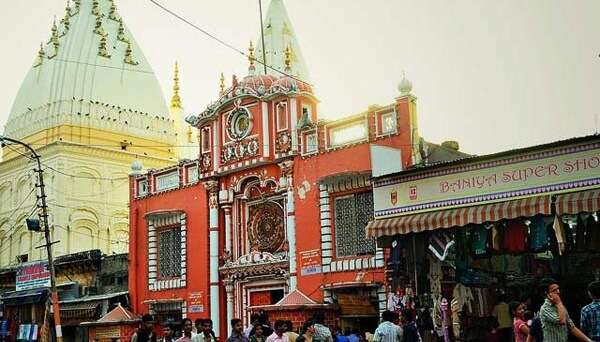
{"x":520,"y":328}
{"x":237,"y":331}
{"x":590,"y":314}
{"x":145,"y":333}
{"x":168,"y":333}
{"x":187,"y":331}
{"x":205,"y":332}
{"x":289,"y":331}
{"x":387,"y":331}
{"x":556,"y":323}
{"x":307,"y":334}
{"x":410,"y":333}
{"x":322,"y":332}
{"x":258,"y":335}
{"x":278,"y":335}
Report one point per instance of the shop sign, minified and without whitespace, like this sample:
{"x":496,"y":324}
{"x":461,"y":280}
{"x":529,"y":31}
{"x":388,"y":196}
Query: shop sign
{"x":33,"y":276}
{"x":310,"y":262}
{"x":196,"y":302}
{"x":108,"y":332}
{"x":468,"y":184}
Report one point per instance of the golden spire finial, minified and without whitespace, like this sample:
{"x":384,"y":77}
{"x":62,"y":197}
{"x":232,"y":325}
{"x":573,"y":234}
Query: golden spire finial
{"x":251,"y":58}
{"x":176,"y":100}
{"x":222,"y":84}
{"x":288,"y":59}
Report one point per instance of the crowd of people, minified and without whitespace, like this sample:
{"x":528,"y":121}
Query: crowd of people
{"x":510,"y":322}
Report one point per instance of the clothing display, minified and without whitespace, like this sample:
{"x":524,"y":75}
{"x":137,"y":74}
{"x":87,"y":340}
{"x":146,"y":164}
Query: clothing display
{"x":440,"y":244}
{"x":479,"y":242}
{"x":515,"y":237}
{"x":538,"y":235}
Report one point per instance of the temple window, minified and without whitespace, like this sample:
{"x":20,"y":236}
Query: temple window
{"x":142,"y":187}
{"x":352,"y":213}
{"x":388,"y":123}
{"x":169,"y":252}
{"x":167,"y":181}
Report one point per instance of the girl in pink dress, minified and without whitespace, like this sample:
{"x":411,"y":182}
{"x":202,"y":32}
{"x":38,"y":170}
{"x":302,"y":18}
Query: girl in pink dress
{"x":520,"y":327}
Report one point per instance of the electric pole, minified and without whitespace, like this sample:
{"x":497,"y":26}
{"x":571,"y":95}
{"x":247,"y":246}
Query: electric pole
{"x":44,"y":216}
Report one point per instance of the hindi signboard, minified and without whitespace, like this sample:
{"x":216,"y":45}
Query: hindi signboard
{"x":310,"y":262}
{"x":32,"y":276}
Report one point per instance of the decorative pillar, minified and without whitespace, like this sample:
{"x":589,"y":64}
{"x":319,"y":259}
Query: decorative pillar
{"x":287,"y":168}
{"x":212,"y":187}
{"x":227,"y":210}
{"x":229,"y":291}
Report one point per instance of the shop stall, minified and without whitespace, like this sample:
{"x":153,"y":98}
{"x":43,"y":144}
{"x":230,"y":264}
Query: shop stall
{"x":466,"y":237}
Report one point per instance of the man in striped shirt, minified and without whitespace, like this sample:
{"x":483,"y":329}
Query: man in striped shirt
{"x":387,"y":331}
{"x":556,"y":323}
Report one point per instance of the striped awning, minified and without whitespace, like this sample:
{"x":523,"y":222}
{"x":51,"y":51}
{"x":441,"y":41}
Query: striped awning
{"x":459,"y":217}
{"x":576,"y":202}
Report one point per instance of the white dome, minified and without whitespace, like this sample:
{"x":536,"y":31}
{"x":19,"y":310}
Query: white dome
{"x":76,"y":71}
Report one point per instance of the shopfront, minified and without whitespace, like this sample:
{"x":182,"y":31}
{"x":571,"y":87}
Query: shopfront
{"x":464,"y":235}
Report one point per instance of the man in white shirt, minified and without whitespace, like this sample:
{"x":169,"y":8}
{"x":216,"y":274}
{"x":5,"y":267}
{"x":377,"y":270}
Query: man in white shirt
{"x":387,"y":331}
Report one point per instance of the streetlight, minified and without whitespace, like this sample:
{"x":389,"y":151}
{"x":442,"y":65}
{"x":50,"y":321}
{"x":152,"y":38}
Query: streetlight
{"x":44,"y":216}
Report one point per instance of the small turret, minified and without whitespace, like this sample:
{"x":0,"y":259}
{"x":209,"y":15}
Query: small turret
{"x":405,"y":86}
{"x":95,"y":8}
{"x":40,"y":57}
{"x":112,"y":14}
{"x":129,"y":55}
{"x":102,"y":50}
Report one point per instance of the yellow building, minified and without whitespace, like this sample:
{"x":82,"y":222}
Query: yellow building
{"x":91,"y":106}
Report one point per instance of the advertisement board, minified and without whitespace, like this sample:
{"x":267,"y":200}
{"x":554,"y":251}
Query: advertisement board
{"x":32,"y":276}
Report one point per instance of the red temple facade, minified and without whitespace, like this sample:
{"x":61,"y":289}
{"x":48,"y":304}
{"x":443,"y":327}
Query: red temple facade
{"x":272,"y":214}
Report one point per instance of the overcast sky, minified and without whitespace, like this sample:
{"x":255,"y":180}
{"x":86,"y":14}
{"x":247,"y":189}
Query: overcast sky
{"x":493,"y":75}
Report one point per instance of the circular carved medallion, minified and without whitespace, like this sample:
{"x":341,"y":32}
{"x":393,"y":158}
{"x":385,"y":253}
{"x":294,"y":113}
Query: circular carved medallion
{"x":266,"y":227}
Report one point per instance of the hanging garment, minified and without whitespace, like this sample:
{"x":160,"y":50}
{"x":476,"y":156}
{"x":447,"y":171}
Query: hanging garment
{"x":479,"y":242}
{"x":496,"y":237}
{"x":538,"y":236}
{"x":396,"y":257}
{"x":440,"y":243}
{"x":561,"y":237}
{"x":593,"y":228}
{"x":515,"y":236}
{"x":581,"y":235}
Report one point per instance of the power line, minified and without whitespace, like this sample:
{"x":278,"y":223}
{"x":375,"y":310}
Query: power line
{"x":222,"y":42}
{"x":48,"y":167}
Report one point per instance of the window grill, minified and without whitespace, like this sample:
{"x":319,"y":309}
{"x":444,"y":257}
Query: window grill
{"x":169,"y":242}
{"x":352,"y":214}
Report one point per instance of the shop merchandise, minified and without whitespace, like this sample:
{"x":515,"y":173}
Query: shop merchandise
{"x":561,"y":236}
{"x":593,"y":232}
{"x":440,"y":244}
{"x":581,"y":232}
{"x":515,"y":237}
{"x":496,"y":237}
{"x":538,"y":234}
{"x":394,"y":302}
{"x":479,"y":242}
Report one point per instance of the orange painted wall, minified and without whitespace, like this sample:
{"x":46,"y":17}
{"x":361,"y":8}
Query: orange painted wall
{"x":192,"y":200}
